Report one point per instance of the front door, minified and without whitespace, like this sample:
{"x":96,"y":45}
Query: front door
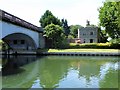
{"x":91,"y":40}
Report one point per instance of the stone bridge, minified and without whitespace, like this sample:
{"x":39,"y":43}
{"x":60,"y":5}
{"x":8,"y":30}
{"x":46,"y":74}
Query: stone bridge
{"x":20,"y":34}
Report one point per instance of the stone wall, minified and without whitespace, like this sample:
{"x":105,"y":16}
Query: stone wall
{"x":41,"y":41}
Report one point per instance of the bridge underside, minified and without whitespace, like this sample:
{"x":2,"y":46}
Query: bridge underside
{"x":19,"y":41}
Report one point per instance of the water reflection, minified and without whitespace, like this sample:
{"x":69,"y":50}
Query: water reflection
{"x":11,"y":65}
{"x":60,"y":72}
{"x":19,"y":72}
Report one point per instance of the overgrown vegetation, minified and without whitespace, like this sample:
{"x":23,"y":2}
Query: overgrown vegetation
{"x":3,"y":45}
{"x":65,"y":26}
{"x":55,"y":34}
{"x":115,"y":41}
{"x":74,"y":30}
{"x":109,"y":18}
{"x":48,"y":18}
{"x":55,"y":31}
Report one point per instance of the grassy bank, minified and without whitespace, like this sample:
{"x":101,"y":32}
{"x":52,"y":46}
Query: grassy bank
{"x":83,"y":50}
{"x":87,"y":47}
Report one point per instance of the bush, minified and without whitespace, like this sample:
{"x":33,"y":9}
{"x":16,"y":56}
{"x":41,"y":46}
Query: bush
{"x":63,"y":44}
{"x":115,"y":46}
{"x":3,"y":45}
{"x":115,"y":43}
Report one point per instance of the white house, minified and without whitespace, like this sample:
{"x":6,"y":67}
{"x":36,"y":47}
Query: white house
{"x":88,"y":34}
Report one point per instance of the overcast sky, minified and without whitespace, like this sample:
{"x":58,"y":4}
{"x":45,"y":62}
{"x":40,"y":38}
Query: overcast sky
{"x":75,"y":11}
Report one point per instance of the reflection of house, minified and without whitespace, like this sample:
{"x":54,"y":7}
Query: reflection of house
{"x":88,"y":34}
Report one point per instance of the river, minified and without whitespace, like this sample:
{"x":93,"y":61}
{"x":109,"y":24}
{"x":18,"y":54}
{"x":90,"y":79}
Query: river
{"x":60,"y":72}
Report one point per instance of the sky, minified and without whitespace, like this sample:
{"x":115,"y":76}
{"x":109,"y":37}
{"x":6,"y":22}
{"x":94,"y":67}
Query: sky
{"x":75,"y":11}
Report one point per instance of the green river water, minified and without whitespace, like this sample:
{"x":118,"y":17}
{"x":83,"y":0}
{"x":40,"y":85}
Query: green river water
{"x":60,"y":72}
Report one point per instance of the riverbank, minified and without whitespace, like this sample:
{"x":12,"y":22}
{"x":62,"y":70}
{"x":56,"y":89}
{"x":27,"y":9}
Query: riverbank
{"x":80,"y":52}
{"x":84,"y":50}
{"x":70,"y":52}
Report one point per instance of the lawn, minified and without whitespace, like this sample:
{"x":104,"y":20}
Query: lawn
{"x":83,"y":50}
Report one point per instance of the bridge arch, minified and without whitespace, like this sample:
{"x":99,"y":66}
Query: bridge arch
{"x":11,"y":24}
{"x":20,"y":41}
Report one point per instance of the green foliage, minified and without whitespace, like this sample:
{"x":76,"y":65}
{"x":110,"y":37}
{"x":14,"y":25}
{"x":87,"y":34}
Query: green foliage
{"x":70,"y":37}
{"x":95,"y":46}
{"x":118,"y":14}
{"x":115,"y":43}
{"x":53,"y":31}
{"x":3,"y":45}
{"x":63,"y":42}
{"x":55,"y":34}
{"x":109,"y":18}
{"x":49,"y":18}
{"x":74,"y":30}
{"x":103,"y":36}
{"x":65,"y":27}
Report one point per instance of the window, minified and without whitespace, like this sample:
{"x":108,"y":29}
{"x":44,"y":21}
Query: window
{"x":84,"y":34}
{"x":22,"y":41}
{"x":15,"y":41}
{"x":91,"y":33}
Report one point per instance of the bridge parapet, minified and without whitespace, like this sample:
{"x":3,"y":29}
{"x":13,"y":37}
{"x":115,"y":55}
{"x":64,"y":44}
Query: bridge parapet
{"x":17,"y":21}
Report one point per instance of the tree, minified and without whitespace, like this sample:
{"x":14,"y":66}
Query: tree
{"x":55,"y":34}
{"x":49,"y":18}
{"x":65,"y":27}
{"x":119,"y":14}
{"x":102,"y":35}
{"x":109,"y":18}
{"x":74,"y":30}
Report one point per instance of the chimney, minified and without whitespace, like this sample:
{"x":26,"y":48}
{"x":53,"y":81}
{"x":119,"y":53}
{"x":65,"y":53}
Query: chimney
{"x":87,"y":23}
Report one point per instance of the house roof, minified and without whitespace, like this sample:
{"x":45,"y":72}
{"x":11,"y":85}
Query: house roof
{"x":89,"y":28}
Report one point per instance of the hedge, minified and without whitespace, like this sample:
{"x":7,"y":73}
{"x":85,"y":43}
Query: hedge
{"x":95,"y":45}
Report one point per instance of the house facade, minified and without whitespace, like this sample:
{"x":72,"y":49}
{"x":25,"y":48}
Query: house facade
{"x":88,"y":34}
